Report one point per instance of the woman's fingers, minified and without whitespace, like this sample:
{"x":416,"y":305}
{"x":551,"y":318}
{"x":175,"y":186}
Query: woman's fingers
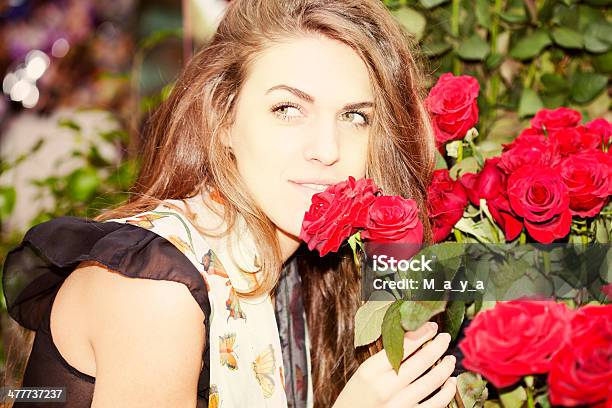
{"x":422,"y":360}
{"x":421,"y":388}
{"x":379,"y":362}
{"x":443,"y":397}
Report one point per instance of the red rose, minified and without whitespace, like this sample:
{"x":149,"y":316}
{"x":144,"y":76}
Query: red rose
{"x":530,"y":147}
{"x":574,"y":140}
{"x":602,"y":127}
{"x":446,"y":201}
{"x":393,"y":227}
{"x":336,"y":213}
{"x":588,"y":177}
{"x":490,"y":184}
{"x":515,"y":339}
{"x":538,"y":194}
{"x":581,"y":372}
{"x":549,"y":120}
{"x":452,"y":106}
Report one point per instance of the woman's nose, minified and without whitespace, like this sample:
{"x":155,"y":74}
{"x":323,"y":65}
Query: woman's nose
{"x":322,"y":143}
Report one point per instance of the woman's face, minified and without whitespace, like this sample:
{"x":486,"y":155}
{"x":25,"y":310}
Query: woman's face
{"x":302,"y":123}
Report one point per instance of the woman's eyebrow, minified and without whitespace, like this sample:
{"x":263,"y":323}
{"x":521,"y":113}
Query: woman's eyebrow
{"x":308,"y":98}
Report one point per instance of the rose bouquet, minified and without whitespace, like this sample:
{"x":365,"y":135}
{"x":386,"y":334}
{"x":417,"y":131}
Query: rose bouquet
{"x":547,"y":188}
{"x":550,"y":185}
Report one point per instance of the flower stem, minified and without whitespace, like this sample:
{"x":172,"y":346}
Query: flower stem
{"x":529,"y":389}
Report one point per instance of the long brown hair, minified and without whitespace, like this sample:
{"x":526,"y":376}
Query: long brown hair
{"x":182,"y":150}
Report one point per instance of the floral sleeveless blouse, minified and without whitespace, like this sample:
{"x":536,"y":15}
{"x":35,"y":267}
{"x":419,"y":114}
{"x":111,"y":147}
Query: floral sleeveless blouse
{"x":246,"y":360}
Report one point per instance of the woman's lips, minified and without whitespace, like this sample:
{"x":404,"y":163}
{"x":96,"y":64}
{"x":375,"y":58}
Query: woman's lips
{"x":310,"y":187}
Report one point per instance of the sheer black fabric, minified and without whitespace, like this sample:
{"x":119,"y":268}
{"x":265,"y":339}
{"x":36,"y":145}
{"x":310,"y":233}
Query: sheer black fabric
{"x":49,"y":252}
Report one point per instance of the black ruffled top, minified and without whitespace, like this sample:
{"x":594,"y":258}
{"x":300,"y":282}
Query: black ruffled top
{"x":35,"y":270}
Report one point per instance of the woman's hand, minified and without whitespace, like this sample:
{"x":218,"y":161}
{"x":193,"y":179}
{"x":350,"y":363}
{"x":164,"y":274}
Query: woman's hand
{"x":375,"y":383}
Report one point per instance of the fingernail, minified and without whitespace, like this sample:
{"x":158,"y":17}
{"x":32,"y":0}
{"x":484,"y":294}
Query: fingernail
{"x":433,"y":326}
{"x":444,"y":336}
{"x":452,"y":380}
{"x":450,"y":359}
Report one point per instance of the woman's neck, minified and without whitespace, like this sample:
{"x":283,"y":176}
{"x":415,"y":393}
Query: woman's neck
{"x":288,"y":244}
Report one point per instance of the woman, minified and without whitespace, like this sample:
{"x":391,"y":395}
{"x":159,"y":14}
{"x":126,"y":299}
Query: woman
{"x":288,"y":97}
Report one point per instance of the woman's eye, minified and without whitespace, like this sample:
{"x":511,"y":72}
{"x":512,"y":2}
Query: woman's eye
{"x":362,"y":118}
{"x":283,"y":111}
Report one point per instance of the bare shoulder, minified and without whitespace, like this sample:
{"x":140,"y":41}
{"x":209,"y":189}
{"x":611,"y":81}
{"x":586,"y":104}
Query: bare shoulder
{"x":147,"y":336}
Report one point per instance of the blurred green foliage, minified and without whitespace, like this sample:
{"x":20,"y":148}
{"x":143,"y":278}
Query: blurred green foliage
{"x":526,"y":54}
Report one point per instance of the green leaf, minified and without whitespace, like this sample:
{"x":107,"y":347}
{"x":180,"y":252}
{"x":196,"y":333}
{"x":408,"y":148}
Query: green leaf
{"x":514,"y":17}
{"x":514,"y":398}
{"x":494,"y":60}
{"x":435,"y":49}
{"x":542,"y":400}
{"x":440,"y":162}
{"x":411,"y":20}
{"x":453,"y":317}
{"x":603,"y":62}
{"x":531,"y":45}
{"x":428,"y":4}
{"x":8,"y":196}
{"x":393,"y":334}
{"x":472,"y":389}
{"x":530,"y":103}
{"x":588,"y":15}
{"x":483,"y":13}
{"x":553,"y":101}
{"x":467,"y":165}
{"x":369,"y":318}
{"x":598,"y":37}
{"x":447,"y":254}
{"x":82,"y":184}
{"x":567,"y":38}
{"x":480,"y":230}
{"x":603,"y":230}
{"x":587,"y":85}
{"x":474,"y":48}
{"x":554,"y":83}
{"x":416,"y":312}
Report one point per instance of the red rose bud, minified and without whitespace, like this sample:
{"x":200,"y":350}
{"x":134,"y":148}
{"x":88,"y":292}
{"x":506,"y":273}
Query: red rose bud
{"x":550,"y":120}
{"x":539,"y":195}
{"x":452,"y":106}
{"x":488,"y":183}
{"x":588,"y":177}
{"x":393,"y":228}
{"x":445,"y":203}
{"x":581,"y":372}
{"x":515,"y":339}
{"x":336,"y":213}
